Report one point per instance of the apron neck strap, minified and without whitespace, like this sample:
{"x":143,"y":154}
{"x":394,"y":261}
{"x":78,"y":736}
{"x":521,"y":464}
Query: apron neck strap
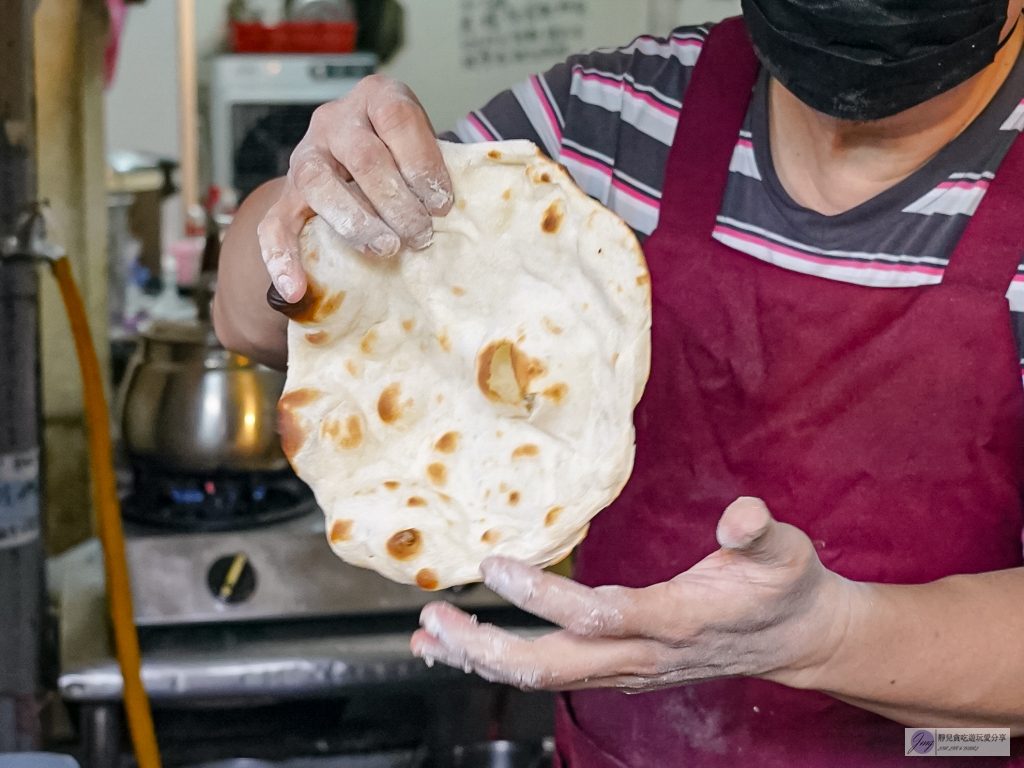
{"x":992,"y":246}
{"x":714,"y":107}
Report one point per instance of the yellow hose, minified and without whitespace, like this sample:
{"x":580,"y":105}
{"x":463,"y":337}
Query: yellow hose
{"x":108,"y":512}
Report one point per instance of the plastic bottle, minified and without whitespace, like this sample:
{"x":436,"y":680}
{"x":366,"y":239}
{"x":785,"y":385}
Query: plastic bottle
{"x":169,"y":305}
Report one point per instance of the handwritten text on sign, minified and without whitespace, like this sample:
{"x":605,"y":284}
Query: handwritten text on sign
{"x":19,"y":498}
{"x":496,"y":32}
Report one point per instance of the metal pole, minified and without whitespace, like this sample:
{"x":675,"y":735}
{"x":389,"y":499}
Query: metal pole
{"x":21,"y":549}
{"x":101,"y":735}
{"x":188,"y":96}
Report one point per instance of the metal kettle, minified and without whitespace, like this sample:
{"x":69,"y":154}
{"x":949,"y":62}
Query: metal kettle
{"x":187,"y":404}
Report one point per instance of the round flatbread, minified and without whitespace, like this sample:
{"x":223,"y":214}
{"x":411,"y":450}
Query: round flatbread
{"x":476,"y":397}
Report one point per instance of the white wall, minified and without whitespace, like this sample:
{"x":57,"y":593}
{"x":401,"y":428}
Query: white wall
{"x":430,"y":63}
{"x":141,"y":106}
{"x":663,"y":15}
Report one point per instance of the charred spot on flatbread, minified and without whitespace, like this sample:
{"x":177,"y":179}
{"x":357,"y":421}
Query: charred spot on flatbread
{"x":315,"y":306}
{"x":426,"y":578}
{"x":503,"y":372}
{"x":490,"y":536}
{"x":346,"y":433}
{"x":447,"y":443}
{"x":437,"y":472}
{"x":341,"y":530}
{"x":556,"y":392}
{"x":405,"y":545}
{"x":527,"y":449}
{"x":554,"y":214}
{"x":551,"y":327}
{"x":389,"y":405}
{"x":292,"y":428}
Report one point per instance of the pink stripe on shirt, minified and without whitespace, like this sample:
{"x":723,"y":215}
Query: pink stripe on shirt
{"x":587,"y":161}
{"x":834,"y":261}
{"x":981,"y":184}
{"x":478,"y":124}
{"x":627,"y":86}
{"x":636,"y":194}
{"x":606,"y":171}
{"x":648,"y":99}
{"x":535,"y":81}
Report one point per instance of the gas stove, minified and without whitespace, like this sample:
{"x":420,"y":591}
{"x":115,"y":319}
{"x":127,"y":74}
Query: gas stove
{"x":249,"y":547}
{"x":216,"y":501}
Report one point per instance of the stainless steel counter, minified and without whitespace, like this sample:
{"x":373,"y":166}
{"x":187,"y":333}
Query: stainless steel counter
{"x":296,"y":574}
{"x":237,"y":659}
{"x":232,"y":666}
{"x":227,"y":667}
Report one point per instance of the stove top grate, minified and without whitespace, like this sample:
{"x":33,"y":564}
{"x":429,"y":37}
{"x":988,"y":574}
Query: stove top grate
{"x":223,"y":501}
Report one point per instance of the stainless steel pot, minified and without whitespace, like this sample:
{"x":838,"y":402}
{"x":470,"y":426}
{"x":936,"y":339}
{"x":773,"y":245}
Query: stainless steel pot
{"x":190,"y":405}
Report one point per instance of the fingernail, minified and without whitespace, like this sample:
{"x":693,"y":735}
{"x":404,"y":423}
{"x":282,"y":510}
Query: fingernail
{"x":421,"y":240}
{"x":286,"y":287}
{"x":385,"y":245}
{"x":429,"y":653}
{"x":433,"y":625}
{"x":496,"y":578}
{"x":503,"y":580}
{"x":438,"y":199}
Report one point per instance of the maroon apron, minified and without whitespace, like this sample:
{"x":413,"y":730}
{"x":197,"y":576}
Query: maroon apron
{"x":886,"y":423}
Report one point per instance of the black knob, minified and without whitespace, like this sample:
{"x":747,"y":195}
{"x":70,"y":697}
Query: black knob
{"x":232,"y":579}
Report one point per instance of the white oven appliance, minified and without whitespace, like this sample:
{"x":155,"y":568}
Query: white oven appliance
{"x":260,"y":105}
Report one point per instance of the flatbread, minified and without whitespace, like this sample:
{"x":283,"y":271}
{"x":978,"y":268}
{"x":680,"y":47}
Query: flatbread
{"x":474,"y":398}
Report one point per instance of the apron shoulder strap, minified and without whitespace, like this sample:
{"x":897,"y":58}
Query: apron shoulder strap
{"x":714,"y":107}
{"x":992,"y":246}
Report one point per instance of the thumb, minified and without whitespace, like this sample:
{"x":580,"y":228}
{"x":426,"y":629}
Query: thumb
{"x":748,"y":528}
{"x":278,"y":236}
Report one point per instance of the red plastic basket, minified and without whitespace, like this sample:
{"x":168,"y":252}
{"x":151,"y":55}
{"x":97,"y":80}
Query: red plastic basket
{"x":294,"y":37}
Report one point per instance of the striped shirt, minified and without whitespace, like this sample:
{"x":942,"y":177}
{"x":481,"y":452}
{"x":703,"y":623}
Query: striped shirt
{"x":609,"y":116}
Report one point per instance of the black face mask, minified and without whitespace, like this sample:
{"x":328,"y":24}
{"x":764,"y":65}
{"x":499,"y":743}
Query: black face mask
{"x":869,"y":59}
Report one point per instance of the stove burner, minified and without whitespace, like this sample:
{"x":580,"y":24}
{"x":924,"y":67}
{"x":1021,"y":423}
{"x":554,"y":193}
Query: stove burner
{"x":216,"y":502}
